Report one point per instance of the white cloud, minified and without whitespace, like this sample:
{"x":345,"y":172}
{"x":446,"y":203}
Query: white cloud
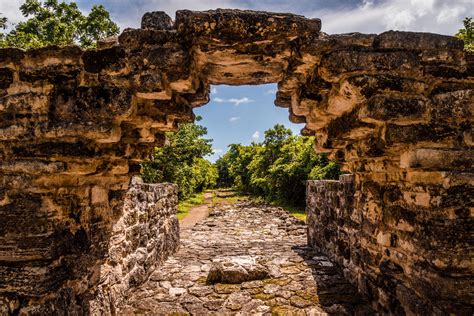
{"x":256,"y":135}
{"x":233,"y":119}
{"x":370,"y":16}
{"x":129,"y":13}
{"x":271,"y":91}
{"x":217,"y":151}
{"x":240,"y":101}
{"x":213,"y":90}
{"x":435,"y":16}
{"x":233,"y":100}
{"x":11,"y":10}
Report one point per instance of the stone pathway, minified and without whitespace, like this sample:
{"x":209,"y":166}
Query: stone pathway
{"x":196,"y":214}
{"x":299,"y":281}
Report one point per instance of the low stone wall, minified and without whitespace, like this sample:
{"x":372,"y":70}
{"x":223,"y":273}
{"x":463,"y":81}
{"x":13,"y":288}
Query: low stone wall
{"x":146,"y":233}
{"x":329,"y":204}
{"x":377,"y":256}
{"x":143,"y":232}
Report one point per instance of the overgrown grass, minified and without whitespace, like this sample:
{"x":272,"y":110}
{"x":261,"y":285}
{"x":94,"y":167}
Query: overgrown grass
{"x":299,"y":213}
{"x":295,"y":211}
{"x":227,"y":196}
{"x":230,"y":196}
{"x":186,"y":205}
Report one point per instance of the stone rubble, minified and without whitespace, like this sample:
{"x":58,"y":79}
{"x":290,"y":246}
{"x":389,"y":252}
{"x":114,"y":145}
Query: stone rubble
{"x":236,"y":270}
{"x":246,"y":237}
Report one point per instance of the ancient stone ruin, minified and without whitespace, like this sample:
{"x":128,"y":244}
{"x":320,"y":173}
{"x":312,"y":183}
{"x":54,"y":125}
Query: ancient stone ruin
{"x":396,"y":109}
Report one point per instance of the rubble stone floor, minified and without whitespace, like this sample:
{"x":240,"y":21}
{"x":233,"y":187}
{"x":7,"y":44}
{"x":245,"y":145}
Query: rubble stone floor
{"x":301,"y":282}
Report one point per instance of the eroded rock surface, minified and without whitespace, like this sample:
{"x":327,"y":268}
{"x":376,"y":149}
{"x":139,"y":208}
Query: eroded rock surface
{"x":396,"y":109}
{"x":300,"y":280}
{"x":145,"y":232}
{"x":237,"y":269}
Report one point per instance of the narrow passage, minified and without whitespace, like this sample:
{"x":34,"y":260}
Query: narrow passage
{"x":262,"y":250}
{"x":197,"y":213}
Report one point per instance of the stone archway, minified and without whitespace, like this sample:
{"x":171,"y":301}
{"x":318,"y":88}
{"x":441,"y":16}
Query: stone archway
{"x":395,"y":109}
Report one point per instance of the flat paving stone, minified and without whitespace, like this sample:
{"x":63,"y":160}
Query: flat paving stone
{"x":301,"y":281}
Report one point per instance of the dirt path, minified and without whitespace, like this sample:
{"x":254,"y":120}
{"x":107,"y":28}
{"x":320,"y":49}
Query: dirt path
{"x":297,"y":280}
{"x":196,"y":214}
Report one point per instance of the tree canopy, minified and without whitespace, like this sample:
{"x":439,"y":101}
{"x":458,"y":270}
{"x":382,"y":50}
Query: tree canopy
{"x":467,"y":34}
{"x":3,"y":22}
{"x":58,"y":23}
{"x":277,"y":168}
{"x":182,"y":161}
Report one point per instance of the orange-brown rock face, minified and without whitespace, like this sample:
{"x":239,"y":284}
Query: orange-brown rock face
{"x":395,"y":109}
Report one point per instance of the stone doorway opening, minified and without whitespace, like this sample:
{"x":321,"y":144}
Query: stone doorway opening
{"x":241,"y":114}
{"x":234,"y":116}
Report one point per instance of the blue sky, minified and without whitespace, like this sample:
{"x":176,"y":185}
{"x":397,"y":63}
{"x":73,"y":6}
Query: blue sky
{"x":239,"y":114}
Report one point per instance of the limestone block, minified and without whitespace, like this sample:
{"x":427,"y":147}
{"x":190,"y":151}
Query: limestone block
{"x":438,"y":159}
{"x":157,"y":20}
{"x":236,"y":270}
{"x":416,"y":41}
{"x":243,"y":26}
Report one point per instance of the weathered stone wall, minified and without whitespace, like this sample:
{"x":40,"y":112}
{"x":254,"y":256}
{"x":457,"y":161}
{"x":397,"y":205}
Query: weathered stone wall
{"x":329,"y":207}
{"x":397,"y":112}
{"x":395,"y":109}
{"x":144,"y":233}
{"x":379,"y":263}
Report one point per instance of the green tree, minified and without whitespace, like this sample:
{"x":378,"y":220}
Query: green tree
{"x":181,"y":161}
{"x":225,"y":179}
{"x":329,"y":171}
{"x":204,"y":174}
{"x":467,"y":34}
{"x":243,"y":156}
{"x":59,"y":23}
{"x":3,"y":22}
{"x":288,"y":174}
{"x":3,"y":26}
{"x":263,"y":159}
{"x":277,"y":168}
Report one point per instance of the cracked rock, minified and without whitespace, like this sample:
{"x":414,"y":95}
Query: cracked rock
{"x":236,"y":270}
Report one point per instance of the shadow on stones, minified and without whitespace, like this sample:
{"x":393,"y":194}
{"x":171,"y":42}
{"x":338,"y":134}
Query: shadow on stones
{"x":89,"y":271}
{"x":335,"y":294}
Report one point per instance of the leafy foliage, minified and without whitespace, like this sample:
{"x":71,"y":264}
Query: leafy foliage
{"x":181,"y":161}
{"x":467,"y":34}
{"x":3,"y":22}
{"x":277,"y":168}
{"x":58,"y":23}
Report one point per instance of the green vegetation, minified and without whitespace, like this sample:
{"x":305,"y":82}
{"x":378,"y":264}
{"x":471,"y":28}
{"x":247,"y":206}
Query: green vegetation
{"x":58,"y":23}
{"x":299,"y":214}
{"x":227,"y":196}
{"x":186,"y":205}
{"x":182,"y":161}
{"x":295,"y":211}
{"x":467,"y":34}
{"x":275,"y":169}
{"x":3,"y":22}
